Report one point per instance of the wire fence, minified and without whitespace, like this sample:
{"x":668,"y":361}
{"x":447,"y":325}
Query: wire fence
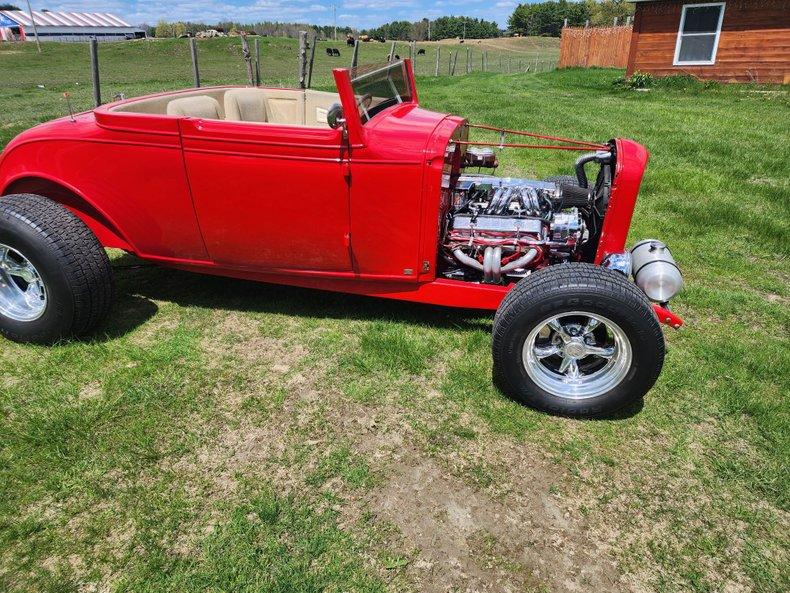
{"x":140,"y":67}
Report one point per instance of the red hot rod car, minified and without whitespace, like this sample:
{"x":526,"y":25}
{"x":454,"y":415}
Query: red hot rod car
{"x":360,"y":191}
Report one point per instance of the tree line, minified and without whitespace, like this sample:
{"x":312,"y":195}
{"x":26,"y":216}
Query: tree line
{"x":547,"y":18}
{"x":446,"y":27}
{"x":540,"y":19}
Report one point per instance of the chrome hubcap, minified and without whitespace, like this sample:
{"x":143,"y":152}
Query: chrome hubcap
{"x":23,"y":296}
{"x":577,"y":355}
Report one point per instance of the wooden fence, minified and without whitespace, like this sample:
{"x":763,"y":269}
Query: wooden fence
{"x":595,"y":46}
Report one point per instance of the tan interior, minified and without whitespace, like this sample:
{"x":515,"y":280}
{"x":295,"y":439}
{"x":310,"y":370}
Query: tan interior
{"x":272,"y":106}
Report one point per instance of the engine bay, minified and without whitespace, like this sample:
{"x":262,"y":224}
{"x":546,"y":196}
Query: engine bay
{"x":497,"y":230}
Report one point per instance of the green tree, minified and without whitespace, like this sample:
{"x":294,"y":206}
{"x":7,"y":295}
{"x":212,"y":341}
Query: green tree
{"x":442,"y":28}
{"x":547,"y":18}
{"x":164,"y":29}
{"x":179,"y":29}
{"x":9,"y":7}
{"x":603,"y":12}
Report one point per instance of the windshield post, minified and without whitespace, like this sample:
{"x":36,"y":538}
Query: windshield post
{"x":349,"y":103}
{"x":412,"y":84}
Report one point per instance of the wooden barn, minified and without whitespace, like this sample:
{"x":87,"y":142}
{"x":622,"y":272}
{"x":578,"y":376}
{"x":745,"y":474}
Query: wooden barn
{"x":732,"y":40}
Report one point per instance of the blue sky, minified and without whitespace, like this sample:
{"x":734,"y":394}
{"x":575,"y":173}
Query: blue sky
{"x":354,"y":13}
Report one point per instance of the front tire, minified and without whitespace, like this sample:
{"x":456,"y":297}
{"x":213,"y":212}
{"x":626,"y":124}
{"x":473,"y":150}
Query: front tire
{"x":577,"y":340}
{"x":55,"y":278}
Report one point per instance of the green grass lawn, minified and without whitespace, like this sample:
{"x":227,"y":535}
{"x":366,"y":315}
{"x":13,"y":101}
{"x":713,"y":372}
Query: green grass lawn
{"x":220,"y":435}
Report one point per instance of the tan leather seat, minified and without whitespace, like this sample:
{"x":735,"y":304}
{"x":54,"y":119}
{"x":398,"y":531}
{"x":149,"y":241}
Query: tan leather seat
{"x":245,"y":105}
{"x":199,"y":106}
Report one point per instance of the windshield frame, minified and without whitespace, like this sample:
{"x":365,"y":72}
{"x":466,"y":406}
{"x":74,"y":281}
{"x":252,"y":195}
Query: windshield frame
{"x":397,"y":97}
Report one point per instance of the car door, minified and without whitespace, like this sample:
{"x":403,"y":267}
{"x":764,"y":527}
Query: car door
{"x":269,"y":196}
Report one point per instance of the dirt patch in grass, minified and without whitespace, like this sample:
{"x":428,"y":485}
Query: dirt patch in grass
{"x":154,"y":329}
{"x":465,"y":540}
{"x":457,"y":534}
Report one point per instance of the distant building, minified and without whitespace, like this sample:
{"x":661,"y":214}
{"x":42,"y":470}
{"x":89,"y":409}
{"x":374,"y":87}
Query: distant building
{"x":66,"y":26}
{"x":732,"y":40}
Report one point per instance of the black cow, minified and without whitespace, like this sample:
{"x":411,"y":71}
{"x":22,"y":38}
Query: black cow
{"x":397,"y":57}
{"x":420,"y":52}
{"x":350,"y":40}
{"x":335,"y":52}
{"x":329,"y":52}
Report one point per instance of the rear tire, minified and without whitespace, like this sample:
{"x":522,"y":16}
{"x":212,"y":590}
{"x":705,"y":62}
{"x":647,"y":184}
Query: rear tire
{"x":55,"y":278}
{"x":576,"y":340}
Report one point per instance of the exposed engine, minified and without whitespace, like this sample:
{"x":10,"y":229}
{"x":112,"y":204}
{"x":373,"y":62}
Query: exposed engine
{"x":498,"y":230}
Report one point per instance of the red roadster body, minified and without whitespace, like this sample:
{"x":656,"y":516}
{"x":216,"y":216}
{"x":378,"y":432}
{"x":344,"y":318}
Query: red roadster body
{"x":360,"y":191}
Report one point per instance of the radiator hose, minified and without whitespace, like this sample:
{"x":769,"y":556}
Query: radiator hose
{"x":598,"y":157}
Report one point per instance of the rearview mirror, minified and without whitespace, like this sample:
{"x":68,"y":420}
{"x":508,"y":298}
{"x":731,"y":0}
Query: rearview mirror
{"x":334,"y":117}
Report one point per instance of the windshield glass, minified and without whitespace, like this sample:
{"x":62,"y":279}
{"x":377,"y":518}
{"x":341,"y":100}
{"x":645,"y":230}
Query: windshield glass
{"x":379,"y":86}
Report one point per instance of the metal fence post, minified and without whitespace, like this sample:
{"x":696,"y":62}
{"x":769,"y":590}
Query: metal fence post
{"x":455,"y":61}
{"x":94,"y":47}
{"x":195,"y":68}
{"x":438,"y":50}
{"x":302,"y":58}
{"x":312,"y":60}
{"x":355,"y":55}
{"x":257,"y":62}
{"x":468,"y":60}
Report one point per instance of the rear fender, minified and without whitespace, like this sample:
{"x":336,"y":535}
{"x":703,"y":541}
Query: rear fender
{"x":105,"y":230}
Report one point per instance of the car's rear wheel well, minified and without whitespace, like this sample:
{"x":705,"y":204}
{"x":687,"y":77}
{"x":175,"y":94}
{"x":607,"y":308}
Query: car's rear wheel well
{"x":104,"y":229}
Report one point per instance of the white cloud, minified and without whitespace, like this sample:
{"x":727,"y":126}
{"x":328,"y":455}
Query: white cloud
{"x":356,"y":13}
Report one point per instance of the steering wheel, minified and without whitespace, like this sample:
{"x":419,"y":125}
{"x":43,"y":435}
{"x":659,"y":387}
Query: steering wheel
{"x":364,"y":101}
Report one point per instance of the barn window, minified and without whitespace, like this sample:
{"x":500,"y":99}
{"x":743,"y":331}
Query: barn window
{"x":698,"y":36}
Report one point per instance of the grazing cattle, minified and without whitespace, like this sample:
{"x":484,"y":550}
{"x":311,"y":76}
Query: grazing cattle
{"x":350,"y":40}
{"x":329,"y":51}
{"x":335,"y":52}
{"x":397,"y":57}
{"x":420,"y":52}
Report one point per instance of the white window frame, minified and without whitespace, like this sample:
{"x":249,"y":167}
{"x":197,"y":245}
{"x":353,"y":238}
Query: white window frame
{"x":681,"y":35}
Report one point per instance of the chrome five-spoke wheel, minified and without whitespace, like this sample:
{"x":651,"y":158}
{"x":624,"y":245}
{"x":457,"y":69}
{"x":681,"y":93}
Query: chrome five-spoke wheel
{"x":578,"y":340}
{"x":23,"y":296}
{"x":577,"y":355}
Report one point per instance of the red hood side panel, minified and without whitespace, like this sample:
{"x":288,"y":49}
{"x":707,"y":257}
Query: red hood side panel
{"x":389,"y":197}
